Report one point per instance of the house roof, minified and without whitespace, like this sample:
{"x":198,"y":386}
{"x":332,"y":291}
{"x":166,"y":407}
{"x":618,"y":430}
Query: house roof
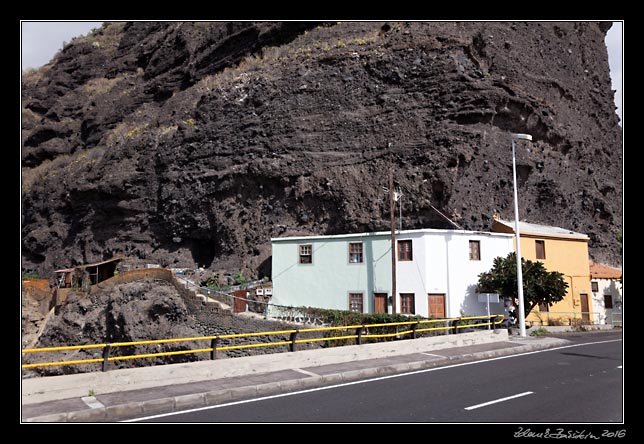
{"x":599,"y":271}
{"x":67,"y":270}
{"x":544,"y":230}
{"x":388,"y":233}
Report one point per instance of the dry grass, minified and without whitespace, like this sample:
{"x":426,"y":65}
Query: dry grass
{"x":100,"y":85}
{"x":29,"y":118}
{"x":63,"y":165}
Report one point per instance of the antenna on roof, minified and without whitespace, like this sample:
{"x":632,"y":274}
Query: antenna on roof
{"x":446,"y":218}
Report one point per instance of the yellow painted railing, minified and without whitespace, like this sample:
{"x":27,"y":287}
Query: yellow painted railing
{"x":360,"y":334}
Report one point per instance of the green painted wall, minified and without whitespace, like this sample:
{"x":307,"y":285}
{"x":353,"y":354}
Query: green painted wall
{"x":340,"y":278}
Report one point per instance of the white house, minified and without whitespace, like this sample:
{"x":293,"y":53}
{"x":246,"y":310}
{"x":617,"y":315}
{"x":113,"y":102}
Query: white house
{"x":606,"y":288}
{"x":436,"y":271}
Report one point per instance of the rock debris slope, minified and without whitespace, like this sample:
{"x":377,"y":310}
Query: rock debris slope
{"x":192,"y":144}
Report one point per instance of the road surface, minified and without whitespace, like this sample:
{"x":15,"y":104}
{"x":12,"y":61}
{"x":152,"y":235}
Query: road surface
{"x":579,"y":383}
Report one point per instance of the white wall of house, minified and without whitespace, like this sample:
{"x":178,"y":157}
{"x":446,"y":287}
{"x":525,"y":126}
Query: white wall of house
{"x":610,"y":287}
{"x":441,"y":265}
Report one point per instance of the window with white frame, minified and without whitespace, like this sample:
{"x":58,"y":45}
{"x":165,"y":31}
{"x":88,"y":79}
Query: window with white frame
{"x":407,"y":303}
{"x":355,"y":253}
{"x":356,"y":302}
{"x":306,"y":254}
{"x":405,"y":252}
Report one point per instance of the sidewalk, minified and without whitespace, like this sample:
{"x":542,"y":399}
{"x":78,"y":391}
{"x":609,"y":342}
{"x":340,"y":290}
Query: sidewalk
{"x":119,"y":395}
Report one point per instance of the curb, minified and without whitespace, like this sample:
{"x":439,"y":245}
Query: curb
{"x":135,"y":410}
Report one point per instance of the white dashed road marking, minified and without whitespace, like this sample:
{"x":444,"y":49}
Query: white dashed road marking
{"x":498,"y":400}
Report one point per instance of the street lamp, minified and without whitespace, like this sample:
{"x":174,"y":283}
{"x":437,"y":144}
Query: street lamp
{"x":516,"y":232}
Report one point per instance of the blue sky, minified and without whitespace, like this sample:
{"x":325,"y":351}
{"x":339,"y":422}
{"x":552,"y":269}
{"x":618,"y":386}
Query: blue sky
{"x":41,"y":40}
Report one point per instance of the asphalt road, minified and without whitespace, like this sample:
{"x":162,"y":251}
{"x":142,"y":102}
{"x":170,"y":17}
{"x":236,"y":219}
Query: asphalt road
{"x":581,"y":383}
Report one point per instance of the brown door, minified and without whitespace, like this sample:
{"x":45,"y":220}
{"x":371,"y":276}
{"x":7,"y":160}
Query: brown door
{"x":380,"y":302}
{"x":436,"y":304}
{"x":239,"y":304}
{"x":585,"y":315}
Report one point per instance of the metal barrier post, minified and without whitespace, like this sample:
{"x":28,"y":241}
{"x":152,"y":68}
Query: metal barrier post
{"x":493,"y":326}
{"x":213,"y":344}
{"x":359,"y":334}
{"x":413,"y":330}
{"x":455,"y":325}
{"x":106,"y":355}
{"x":292,"y":339}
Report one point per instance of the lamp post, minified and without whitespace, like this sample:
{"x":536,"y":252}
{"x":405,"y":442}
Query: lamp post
{"x":516,"y":232}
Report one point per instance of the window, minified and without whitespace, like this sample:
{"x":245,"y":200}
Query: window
{"x":355,"y":302}
{"x":540,"y":247}
{"x":608,"y":301}
{"x":594,"y":287}
{"x":306,"y":254}
{"x":475,"y":250}
{"x":407,"y":303}
{"x":355,"y":252}
{"x":405,"y":252}
{"x":544,"y":307}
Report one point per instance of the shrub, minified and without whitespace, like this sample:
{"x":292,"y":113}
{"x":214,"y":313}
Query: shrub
{"x":30,"y":275}
{"x":240,"y":279}
{"x":539,"y":332}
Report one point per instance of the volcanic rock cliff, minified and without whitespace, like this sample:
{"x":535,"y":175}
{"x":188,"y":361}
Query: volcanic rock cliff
{"x":192,"y":144}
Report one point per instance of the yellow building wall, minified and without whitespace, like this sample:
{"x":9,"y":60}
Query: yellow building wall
{"x":567,"y":256}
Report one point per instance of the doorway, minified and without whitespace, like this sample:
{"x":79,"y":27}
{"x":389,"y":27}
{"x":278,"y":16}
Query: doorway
{"x":436,"y":305}
{"x":239,"y":305}
{"x":380,"y":302}
{"x":585,"y":315}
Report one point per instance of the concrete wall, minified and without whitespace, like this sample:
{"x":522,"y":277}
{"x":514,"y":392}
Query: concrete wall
{"x":440,"y":264}
{"x":607,"y":287}
{"x":569,"y":257}
{"x":328,"y":280}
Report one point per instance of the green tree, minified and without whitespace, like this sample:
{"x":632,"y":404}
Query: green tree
{"x":539,"y":285}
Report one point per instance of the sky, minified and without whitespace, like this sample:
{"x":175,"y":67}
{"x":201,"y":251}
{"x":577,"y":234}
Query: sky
{"x":41,"y":40}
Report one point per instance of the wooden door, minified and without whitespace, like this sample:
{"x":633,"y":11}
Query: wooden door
{"x":436,"y":304}
{"x":585,"y":315}
{"x":239,"y":305}
{"x":380,"y":302}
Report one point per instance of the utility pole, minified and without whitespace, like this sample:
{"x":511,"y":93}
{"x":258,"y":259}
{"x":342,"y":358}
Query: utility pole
{"x":393,"y":240}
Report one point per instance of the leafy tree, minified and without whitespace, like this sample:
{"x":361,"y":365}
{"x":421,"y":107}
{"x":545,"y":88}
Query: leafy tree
{"x":539,"y":285}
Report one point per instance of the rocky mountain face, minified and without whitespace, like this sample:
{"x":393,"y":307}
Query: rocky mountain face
{"x":192,"y":144}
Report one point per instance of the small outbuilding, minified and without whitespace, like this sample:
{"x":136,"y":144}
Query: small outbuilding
{"x":85,"y":275}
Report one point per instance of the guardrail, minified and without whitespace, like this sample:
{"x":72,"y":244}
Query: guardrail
{"x":616,"y":318}
{"x":359,"y":333}
{"x":564,"y":318}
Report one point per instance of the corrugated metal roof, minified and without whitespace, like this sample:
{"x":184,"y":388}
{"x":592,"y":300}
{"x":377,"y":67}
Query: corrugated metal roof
{"x":599,"y":271}
{"x":67,"y":270}
{"x":525,"y":227}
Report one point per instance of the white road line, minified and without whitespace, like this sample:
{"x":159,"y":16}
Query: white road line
{"x":498,"y":400}
{"x":92,"y":402}
{"x":365,"y":381}
{"x":305,"y":372}
{"x":431,"y":354}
